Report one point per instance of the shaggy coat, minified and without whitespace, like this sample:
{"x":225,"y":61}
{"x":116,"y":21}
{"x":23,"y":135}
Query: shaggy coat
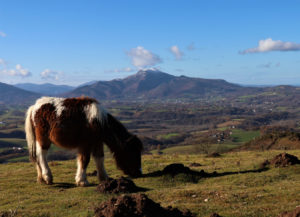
{"x":79,"y":123}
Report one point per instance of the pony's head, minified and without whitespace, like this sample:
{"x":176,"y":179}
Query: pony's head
{"x":129,"y":158}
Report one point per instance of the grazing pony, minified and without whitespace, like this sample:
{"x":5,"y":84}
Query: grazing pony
{"x":79,"y":123}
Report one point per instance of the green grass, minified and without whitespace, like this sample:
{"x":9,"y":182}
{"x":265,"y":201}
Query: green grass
{"x":19,"y":159}
{"x":222,"y":128}
{"x":126,"y":121}
{"x":168,"y":136}
{"x":242,"y":136}
{"x":14,"y":141}
{"x":281,"y":108}
{"x":179,"y":149}
{"x":241,"y":193}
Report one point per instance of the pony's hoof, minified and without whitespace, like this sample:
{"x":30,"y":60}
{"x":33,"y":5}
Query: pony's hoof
{"x":47,"y":180}
{"x":82,"y":183}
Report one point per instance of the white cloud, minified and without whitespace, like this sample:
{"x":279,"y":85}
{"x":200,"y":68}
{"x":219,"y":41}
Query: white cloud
{"x":269,"y":44}
{"x":177,"y":52}
{"x":126,"y":69}
{"x":17,"y":71}
{"x":49,"y":74}
{"x":2,"y":34}
{"x":140,"y":57}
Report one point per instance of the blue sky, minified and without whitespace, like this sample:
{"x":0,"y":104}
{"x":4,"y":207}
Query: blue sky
{"x":72,"y":42}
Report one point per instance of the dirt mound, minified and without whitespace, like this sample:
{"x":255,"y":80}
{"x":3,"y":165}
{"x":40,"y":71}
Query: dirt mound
{"x":282,"y":160}
{"x":174,"y":169}
{"x":294,"y":213}
{"x":116,"y":186}
{"x":137,"y":205}
{"x":214,"y":154}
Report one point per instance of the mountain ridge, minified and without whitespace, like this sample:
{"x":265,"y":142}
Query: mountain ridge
{"x":150,"y":84}
{"x":10,"y":94}
{"x":45,"y":89}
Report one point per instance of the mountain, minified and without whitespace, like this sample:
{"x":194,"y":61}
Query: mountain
{"x":13,"y":95}
{"x":153,"y":84}
{"x":45,"y":89}
{"x":88,"y":83}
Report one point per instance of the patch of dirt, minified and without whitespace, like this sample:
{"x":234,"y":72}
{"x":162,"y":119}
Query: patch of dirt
{"x":294,"y":213}
{"x":282,"y":160}
{"x":214,"y":154}
{"x":117,"y":186}
{"x":137,"y":205}
{"x":195,"y":165}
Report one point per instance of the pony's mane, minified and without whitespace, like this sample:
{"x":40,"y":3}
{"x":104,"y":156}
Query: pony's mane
{"x":117,"y":136}
{"x":115,"y":130}
{"x":125,"y":147}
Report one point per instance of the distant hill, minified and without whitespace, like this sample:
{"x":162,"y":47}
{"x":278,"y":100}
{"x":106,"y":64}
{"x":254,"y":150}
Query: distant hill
{"x":13,"y":95}
{"x":45,"y":89}
{"x":154,"y":84}
{"x":278,"y":138}
{"x":87,"y":83}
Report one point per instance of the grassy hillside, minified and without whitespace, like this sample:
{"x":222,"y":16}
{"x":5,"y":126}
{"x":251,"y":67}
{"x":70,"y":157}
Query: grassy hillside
{"x":243,"y":192}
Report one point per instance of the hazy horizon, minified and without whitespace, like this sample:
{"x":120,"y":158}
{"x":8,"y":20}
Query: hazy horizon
{"x":80,"y":84}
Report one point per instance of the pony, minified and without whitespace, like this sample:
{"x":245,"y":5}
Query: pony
{"x":82,"y":124}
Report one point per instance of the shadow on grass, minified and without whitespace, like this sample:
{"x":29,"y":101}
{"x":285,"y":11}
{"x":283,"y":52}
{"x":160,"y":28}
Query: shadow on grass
{"x":176,"y":169}
{"x":65,"y":185}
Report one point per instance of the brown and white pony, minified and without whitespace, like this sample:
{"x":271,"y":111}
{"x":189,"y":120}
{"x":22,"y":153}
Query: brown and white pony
{"x":79,"y":123}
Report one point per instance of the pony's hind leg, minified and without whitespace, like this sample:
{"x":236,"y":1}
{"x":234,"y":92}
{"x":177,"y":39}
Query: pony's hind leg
{"x":43,"y":170}
{"x":83,"y":160}
{"x":98,"y":155}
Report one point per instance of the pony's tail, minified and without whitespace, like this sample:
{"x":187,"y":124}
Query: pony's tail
{"x":30,"y":135}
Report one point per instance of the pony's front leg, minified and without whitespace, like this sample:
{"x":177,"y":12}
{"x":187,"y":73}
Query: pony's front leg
{"x":43,"y":170}
{"x":101,"y":173}
{"x":98,"y":155}
{"x":83,"y":160}
{"x":39,"y":173}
